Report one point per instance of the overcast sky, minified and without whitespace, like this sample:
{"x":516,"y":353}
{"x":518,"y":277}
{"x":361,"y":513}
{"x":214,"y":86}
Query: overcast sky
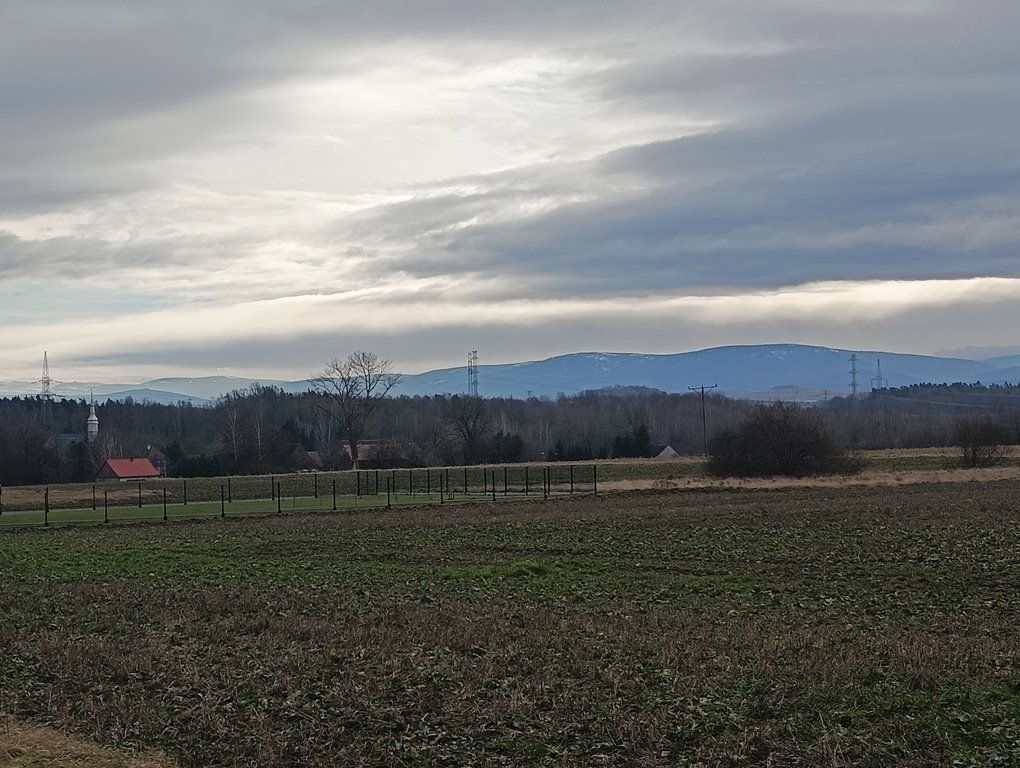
{"x":256,"y":186}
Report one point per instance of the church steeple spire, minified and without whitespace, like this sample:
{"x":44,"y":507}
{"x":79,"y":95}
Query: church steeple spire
{"x":92,"y":424}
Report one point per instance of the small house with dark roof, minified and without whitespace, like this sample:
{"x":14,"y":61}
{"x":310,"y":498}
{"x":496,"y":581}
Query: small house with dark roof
{"x":381,"y":454}
{"x":127,"y":469}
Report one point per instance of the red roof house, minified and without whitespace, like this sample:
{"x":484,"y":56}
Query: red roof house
{"x":127,"y":469}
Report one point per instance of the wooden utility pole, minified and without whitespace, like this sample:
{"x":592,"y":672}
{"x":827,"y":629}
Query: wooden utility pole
{"x":704,"y":422}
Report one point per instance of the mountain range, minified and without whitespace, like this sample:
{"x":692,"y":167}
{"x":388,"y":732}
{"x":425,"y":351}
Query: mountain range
{"x":769,"y":371}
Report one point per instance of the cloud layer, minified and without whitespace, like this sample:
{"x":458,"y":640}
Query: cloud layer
{"x":260,"y":186}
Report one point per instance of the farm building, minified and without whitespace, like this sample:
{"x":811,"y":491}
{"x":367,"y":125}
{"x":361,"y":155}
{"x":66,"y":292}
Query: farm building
{"x":381,"y":454}
{"x":127,"y":469}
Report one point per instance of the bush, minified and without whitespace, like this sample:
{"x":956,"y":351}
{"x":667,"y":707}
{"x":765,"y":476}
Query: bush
{"x":778,"y":439}
{"x":981,"y":442}
{"x":196,"y":466}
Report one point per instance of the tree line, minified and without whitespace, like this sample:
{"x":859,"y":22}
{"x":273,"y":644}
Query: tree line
{"x":262,"y":429}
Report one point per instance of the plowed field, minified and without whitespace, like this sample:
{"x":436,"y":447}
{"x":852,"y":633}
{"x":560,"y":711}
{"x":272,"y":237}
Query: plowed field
{"x":785,"y":627}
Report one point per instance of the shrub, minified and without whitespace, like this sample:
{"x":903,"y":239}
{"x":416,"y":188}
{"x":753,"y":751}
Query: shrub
{"x":778,"y":439}
{"x":980,"y":440}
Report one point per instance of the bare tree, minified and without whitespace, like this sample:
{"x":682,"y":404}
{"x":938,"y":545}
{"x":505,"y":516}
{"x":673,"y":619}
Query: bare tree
{"x":355,"y":386}
{"x":469,"y":418}
{"x":108,"y":445}
{"x":256,"y":418}
{"x":232,"y":424}
{"x":981,"y":442}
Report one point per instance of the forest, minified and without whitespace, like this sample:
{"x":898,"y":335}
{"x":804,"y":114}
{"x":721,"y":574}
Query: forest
{"x":262,"y":429}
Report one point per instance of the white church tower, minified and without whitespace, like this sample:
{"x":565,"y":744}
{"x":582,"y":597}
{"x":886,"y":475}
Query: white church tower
{"x":92,"y":425}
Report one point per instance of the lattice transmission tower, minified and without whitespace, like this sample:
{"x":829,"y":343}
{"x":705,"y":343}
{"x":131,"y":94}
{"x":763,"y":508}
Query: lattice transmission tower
{"x":472,"y":373}
{"x":46,"y":382}
{"x":880,"y":381}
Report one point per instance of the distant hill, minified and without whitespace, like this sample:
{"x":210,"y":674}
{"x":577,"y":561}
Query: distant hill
{"x":209,"y":387}
{"x":778,"y":369}
{"x":1008,"y":361}
{"x":202,"y":390}
{"x":766,"y":371}
{"x":146,"y":395}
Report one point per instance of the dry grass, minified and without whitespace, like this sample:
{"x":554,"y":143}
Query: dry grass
{"x":33,"y":747}
{"x":867,"y":478}
{"x":943,"y":452}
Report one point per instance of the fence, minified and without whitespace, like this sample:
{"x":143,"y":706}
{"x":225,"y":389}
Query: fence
{"x":267,"y":494}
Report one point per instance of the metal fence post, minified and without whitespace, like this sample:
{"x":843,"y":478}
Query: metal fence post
{"x":334,"y":494}
{"x":164,"y":504}
{"x":389,"y":485}
{"x":185,"y":492}
{"x":223,"y":506}
{"x":595,"y":478}
{"x":493,"y":485}
{"x":46,"y":508}
{"x":106,"y":506}
{"x":279,"y":493}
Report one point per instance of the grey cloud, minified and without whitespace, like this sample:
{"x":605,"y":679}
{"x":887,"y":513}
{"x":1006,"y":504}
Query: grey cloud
{"x":848,"y":163}
{"x":69,"y":259}
{"x":303,"y":353}
{"x":734,"y":208}
{"x":854,"y":141}
{"x":97,"y":89}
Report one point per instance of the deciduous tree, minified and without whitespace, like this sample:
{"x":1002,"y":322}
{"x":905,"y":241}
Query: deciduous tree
{"x":354,"y":388}
{"x":469,"y":418}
